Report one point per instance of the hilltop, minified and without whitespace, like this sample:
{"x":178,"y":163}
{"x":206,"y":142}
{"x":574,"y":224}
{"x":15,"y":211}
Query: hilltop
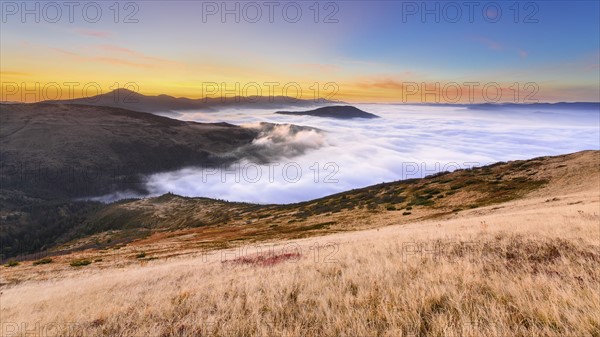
{"x":338,"y":111}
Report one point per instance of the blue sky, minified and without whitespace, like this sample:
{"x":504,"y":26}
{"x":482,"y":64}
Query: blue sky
{"x":372,"y":49}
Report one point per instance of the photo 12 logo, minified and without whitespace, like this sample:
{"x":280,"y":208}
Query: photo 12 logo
{"x":270,"y":12}
{"x":91,"y":92}
{"x":471,"y":92}
{"x":252,"y":92}
{"x":50,"y":329}
{"x":70,"y":11}
{"x":270,"y":254}
{"x":469,"y":11}
{"x":290,"y":172}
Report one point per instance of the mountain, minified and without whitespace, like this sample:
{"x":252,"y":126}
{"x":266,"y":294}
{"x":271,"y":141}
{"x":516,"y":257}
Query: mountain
{"x":53,"y":155}
{"x":127,"y":99}
{"x":337,"y":111}
{"x":78,"y":150}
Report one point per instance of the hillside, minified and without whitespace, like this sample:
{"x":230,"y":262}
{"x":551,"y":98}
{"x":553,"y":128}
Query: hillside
{"x":59,"y":150}
{"x":76,"y":150}
{"x":52,"y":155}
{"x":220,"y":224}
{"x":523,"y":250}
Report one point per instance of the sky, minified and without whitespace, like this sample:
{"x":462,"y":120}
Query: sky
{"x":354,"y":51}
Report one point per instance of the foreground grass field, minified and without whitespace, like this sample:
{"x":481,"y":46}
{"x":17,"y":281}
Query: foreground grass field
{"x":526,"y":267}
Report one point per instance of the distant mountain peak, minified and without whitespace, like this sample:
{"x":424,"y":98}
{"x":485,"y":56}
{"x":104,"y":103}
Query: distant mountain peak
{"x":124,"y":91}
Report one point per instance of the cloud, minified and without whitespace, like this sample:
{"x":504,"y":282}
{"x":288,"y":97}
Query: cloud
{"x":113,"y":49}
{"x":497,"y":46}
{"x":320,"y":68}
{"x":491,"y":44}
{"x":101,"y":59}
{"x":14,"y":73}
{"x":382,"y":84}
{"x":330,"y":156}
{"x":523,"y":53}
{"x":277,"y":141}
{"x":116,"y":49}
{"x":94,"y":33}
{"x":118,"y":61}
{"x":115,"y":55}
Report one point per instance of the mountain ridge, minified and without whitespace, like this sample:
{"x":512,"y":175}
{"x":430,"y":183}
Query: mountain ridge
{"x":132,"y":100}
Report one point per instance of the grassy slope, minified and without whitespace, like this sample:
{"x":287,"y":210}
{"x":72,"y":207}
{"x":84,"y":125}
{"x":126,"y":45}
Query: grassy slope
{"x":524,"y":267}
{"x":220,"y":224}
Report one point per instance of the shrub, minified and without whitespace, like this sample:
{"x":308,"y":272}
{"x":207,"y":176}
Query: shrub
{"x":264,"y":260}
{"x":42,"y":261}
{"x":80,"y":263}
{"x":406,"y":213}
{"x":391,"y":208}
{"x":431,"y":191}
{"x":12,"y":263}
{"x":420,"y":200}
{"x":141,"y":255}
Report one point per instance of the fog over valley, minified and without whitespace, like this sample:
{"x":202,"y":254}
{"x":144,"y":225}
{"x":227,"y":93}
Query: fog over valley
{"x":408,"y":141}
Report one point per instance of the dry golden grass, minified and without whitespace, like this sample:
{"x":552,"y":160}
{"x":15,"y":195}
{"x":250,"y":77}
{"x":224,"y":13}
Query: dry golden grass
{"x":169,"y":225}
{"x":522,"y":268}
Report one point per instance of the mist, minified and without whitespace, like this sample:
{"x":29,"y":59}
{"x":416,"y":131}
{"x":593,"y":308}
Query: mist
{"x":291,"y":164}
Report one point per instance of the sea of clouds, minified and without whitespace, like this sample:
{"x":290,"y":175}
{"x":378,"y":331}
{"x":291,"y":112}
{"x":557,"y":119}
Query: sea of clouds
{"x":335,"y":155}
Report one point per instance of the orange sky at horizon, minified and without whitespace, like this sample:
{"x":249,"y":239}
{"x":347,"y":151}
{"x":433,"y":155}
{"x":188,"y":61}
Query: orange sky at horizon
{"x":16,"y":86}
{"x":367,"y":54}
